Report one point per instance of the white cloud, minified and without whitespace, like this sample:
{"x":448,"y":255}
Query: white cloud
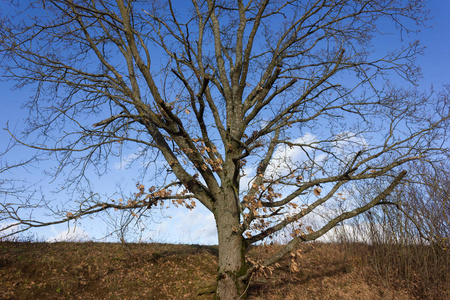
{"x":282,"y":159}
{"x":246,"y":180}
{"x":207,"y":234}
{"x":348,"y":143}
{"x":185,"y":226}
{"x":4,"y":231}
{"x":284,"y":155}
{"x":125,"y":161}
{"x":72,"y":235}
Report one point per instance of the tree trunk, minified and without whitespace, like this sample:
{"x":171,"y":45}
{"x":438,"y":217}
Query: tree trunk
{"x":232,"y":265}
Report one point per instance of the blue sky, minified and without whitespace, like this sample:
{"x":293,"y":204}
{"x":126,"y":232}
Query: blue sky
{"x":179,"y":225}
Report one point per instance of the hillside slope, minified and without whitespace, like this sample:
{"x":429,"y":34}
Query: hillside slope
{"x":166,"y":271}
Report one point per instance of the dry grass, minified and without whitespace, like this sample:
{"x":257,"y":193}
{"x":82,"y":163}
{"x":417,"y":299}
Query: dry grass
{"x":325,"y":272}
{"x":103,"y":271}
{"x":163,"y":271}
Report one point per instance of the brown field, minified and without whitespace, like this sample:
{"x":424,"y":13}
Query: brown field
{"x":167,"y":271}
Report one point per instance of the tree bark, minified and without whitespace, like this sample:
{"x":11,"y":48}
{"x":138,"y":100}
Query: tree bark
{"x":232,"y":266}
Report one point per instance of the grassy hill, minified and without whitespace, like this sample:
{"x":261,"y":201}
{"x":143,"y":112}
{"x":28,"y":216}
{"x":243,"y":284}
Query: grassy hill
{"x":167,"y":271}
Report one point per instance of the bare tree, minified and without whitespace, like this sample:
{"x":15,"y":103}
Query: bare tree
{"x":426,"y":203}
{"x":264,"y":111}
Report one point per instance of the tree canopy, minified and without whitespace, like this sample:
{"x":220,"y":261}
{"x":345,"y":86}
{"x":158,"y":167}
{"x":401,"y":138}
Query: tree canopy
{"x":264,"y":112}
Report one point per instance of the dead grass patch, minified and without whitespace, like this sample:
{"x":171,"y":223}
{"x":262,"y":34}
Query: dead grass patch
{"x":165,"y":271}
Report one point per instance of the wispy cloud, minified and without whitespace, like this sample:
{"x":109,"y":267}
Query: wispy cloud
{"x":125,"y":161}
